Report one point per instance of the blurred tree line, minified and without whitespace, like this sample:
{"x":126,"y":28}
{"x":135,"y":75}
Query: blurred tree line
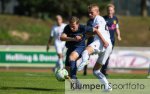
{"x":49,"y":8}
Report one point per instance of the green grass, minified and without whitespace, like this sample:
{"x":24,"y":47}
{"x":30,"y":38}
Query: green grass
{"x":18,"y":30}
{"x":43,"y":83}
{"x":29,"y":83}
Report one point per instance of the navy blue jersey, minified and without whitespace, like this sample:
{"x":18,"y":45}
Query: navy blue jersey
{"x":112,"y":24}
{"x":90,"y":39}
{"x":82,"y":29}
{"x":90,"y":22}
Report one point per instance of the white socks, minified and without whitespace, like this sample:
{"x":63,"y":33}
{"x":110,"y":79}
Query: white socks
{"x":102,"y":78}
{"x":59,"y":63}
{"x":85,"y":56}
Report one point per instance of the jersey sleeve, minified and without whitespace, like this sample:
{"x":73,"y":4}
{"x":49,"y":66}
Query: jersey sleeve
{"x":117,"y":23}
{"x":100,"y":23}
{"x":52,"y":32}
{"x":65,"y":29}
{"x":88,"y":29}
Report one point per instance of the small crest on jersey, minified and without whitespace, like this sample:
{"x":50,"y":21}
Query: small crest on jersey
{"x":115,"y":22}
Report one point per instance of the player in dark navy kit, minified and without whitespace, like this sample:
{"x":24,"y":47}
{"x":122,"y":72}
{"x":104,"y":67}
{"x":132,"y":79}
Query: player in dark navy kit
{"x":75,"y":35}
{"x":113,"y":27}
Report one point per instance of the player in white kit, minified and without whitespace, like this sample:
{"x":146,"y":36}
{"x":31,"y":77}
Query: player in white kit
{"x":59,"y":45}
{"x":101,"y":45}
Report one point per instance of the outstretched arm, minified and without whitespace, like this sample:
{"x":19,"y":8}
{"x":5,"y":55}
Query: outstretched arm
{"x":64,"y":37}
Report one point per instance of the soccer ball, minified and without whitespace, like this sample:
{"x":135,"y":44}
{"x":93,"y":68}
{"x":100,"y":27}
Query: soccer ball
{"x":60,"y":74}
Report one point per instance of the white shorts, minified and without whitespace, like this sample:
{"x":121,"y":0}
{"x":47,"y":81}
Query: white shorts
{"x":105,"y":52}
{"x":104,"y":55}
{"x":97,"y":44}
{"x":59,"y":46}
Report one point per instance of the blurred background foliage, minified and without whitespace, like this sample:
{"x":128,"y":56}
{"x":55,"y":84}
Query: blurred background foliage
{"x":49,"y":8}
{"x":28,"y":22}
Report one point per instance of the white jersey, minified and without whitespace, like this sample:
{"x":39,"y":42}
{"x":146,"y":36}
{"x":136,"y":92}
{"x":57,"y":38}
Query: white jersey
{"x":101,"y":23}
{"x":56,"y":33}
{"x":97,"y":43}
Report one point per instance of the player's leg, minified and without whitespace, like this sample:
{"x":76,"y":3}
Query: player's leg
{"x":74,"y":56}
{"x":73,"y":68}
{"x":67,"y":63}
{"x":86,"y":53}
{"x":104,"y":67}
{"x":101,"y":61}
{"x":89,"y":41}
{"x":60,"y":61}
{"x":59,"y":51}
{"x":85,"y":56}
{"x":100,"y":76}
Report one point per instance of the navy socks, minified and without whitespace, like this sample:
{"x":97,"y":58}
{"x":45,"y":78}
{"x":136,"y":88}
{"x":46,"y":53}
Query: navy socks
{"x":73,"y":69}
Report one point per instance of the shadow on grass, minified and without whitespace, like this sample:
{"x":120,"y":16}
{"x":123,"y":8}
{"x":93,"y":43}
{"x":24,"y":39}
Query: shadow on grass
{"x":31,"y":88}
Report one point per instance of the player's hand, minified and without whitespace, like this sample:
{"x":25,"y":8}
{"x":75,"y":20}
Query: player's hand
{"x":106,"y":44}
{"x":119,"y":38}
{"x":47,"y":48}
{"x":96,"y":27}
{"x":78,"y":38}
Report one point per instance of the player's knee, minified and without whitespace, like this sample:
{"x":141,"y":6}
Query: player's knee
{"x":95,"y":72}
{"x":72,"y":58}
{"x":85,"y":52}
{"x":94,"y":69}
{"x":89,"y":49}
{"x":97,"y":66}
{"x":98,"y":74}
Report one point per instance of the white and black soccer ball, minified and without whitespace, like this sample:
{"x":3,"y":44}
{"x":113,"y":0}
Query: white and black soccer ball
{"x":60,"y":74}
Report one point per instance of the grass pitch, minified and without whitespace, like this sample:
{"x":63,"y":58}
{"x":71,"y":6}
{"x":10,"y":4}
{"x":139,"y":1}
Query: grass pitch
{"x":43,"y":83}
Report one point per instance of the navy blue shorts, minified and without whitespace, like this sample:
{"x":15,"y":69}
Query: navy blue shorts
{"x":79,"y":50}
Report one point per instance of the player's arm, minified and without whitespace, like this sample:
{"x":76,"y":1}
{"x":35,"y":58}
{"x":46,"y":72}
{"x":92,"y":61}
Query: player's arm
{"x":50,"y":40}
{"x":101,"y":23}
{"x":96,"y":31}
{"x":118,"y":30}
{"x":118,"y":33}
{"x":64,"y":37}
{"x":105,"y":43}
